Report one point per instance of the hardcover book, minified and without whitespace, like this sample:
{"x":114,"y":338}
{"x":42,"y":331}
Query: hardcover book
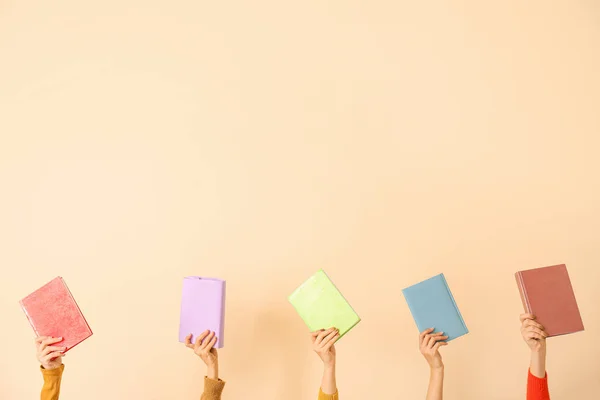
{"x":321,"y":305}
{"x":52,"y":311}
{"x":432,"y":305}
{"x":548,"y":294}
{"x":202,"y":308}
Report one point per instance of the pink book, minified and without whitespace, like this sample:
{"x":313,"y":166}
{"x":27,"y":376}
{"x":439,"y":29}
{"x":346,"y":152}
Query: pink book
{"x":52,"y":311}
{"x":202,"y":308}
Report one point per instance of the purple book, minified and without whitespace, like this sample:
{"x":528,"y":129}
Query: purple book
{"x":202,"y":308}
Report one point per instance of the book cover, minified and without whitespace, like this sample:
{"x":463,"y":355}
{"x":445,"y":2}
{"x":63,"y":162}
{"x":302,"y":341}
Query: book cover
{"x":321,"y":305}
{"x":202,"y":308}
{"x":432,"y":305}
{"x":548,"y":294}
{"x":52,"y":311}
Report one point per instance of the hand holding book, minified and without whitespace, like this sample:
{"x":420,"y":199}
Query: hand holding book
{"x":429,"y":344}
{"x":323,"y":344}
{"x":204,"y":348}
{"x":49,"y":356}
{"x":533,"y":332}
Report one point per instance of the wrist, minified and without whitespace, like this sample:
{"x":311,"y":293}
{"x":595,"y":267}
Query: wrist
{"x":329,"y":365}
{"x":541,"y":352}
{"x":436,"y":368}
{"x":212,"y":371}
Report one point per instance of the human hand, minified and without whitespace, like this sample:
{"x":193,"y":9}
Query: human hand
{"x":204,"y":347}
{"x":50,"y":357}
{"x":323,"y":344}
{"x":429,"y":344}
{"x":533,"y":333}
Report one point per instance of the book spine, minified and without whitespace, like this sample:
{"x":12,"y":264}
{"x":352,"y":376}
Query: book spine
{"x":24,"y":308}
{"x":523,"y":292}
{"x":222,"y":322}
{"x":454,"y":302}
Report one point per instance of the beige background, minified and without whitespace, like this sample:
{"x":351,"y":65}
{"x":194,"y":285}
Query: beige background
{"x":258,"y":141}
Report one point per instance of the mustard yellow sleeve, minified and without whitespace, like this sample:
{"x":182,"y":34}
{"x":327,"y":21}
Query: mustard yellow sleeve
{"x":323,"y":396}
{"x":212,"y":389}
{"x":52,"y":379}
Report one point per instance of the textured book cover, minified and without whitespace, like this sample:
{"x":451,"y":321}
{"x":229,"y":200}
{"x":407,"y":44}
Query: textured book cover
{"x":548,"y":294}
{"x":432,"y":306}
{"x":202,"y":308}
{"x":321,"y":305}
{"x":52,"y":311}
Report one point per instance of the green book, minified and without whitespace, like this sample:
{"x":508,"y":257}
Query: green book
{"x":322,"y":306}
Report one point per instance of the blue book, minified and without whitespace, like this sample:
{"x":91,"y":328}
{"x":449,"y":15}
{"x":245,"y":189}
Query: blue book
{"x":432,"y":306}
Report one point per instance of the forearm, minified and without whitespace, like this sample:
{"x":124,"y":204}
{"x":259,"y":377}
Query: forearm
{"x":52,"y":380}
{"x":328,"y":383}
{"x":537,"y":365}
{"x":436,"y":384}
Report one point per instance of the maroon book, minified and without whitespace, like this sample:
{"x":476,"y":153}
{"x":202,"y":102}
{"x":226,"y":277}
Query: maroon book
{"x":547,"y":293}
{"x":52,"y":311}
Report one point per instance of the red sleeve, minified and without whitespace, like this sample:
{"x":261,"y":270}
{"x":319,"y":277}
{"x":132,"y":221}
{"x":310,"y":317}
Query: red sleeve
{"x":537,"y":388}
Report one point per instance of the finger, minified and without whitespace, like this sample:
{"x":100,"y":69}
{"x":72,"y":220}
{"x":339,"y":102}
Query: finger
{"x":51,"y":349}
{"x":526,"y":316}
{"x":201,"y":338}
{"x":331,"y":342}
{"x":206,"y":341}
{"x":534,"y":335}
{"x":210,"y":344}
{"x":322,"y":335}
{"x":431,"y":339}
{"x":435,"y":337}
{"x":329,"y":338}
{"x":423,"y":336}
{"x":437,"y":346}
{"x":315,"y":334}
{"x":188,"y":341}
{"x":52,"y":356}
{"x":530,"y":322}
{"x":209,"y":338}
{"x":50,"y":340}
{"x":424,"y":333}
{"x":40,"y":339}
{"x":538,"y":331}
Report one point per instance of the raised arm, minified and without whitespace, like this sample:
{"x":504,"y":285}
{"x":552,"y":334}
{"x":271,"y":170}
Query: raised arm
{"x":50,"y":358}
{"x":323,"y":344}
{"x":204,"y":348}
{"x":534,"y":335}
{"x":429,"y":344}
